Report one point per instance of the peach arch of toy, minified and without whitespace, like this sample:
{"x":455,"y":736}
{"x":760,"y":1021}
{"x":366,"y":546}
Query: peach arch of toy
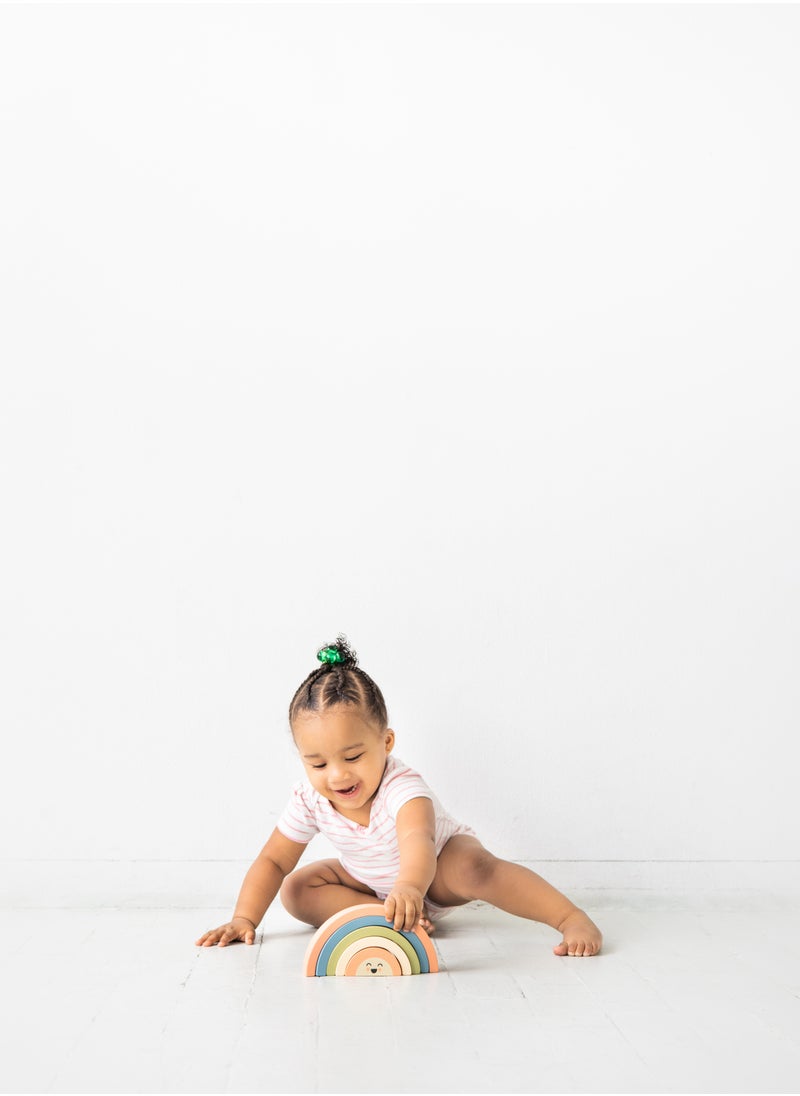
{"x":360,"y":942}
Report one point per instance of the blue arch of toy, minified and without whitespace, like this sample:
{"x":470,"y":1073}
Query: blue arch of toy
{"x":364,"y":922}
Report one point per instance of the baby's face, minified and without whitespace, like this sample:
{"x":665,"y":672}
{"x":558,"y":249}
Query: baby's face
{"x":344,"y":755}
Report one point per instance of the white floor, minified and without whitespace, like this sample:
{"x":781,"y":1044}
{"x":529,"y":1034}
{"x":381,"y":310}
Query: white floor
{"x":684,"y":999}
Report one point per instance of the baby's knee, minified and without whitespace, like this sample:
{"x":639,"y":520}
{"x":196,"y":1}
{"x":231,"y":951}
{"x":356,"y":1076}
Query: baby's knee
{"x":292,"y":888}
{"x":477,"y":870}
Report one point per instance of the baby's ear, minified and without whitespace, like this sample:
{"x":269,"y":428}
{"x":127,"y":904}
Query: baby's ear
{"x":389,"y":739}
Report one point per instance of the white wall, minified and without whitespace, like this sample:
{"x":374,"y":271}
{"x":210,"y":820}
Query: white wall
{"x":470,"y":331}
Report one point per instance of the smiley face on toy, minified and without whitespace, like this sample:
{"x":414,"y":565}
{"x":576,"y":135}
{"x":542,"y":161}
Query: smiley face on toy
{"x":374,"y":968}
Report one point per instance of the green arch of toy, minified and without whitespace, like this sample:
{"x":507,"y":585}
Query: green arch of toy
{"x":373,"y":930}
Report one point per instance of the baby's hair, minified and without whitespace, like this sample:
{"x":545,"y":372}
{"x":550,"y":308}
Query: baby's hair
{"x":339,"y":681}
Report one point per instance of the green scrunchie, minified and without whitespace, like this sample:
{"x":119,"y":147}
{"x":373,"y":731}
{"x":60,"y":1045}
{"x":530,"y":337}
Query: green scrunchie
{"x":330,"y":655}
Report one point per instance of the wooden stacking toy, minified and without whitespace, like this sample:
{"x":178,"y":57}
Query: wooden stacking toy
{"x":360,"y":941}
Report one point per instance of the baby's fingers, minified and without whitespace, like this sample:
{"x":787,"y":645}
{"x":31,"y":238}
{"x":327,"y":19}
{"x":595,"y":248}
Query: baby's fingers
{"x":213,"y":936}
{"x":208,"y":938}
{"x":389,"y":908}
{"x":228,"y":936}
{"x":395,"y":911}
{"x":413,"y":914}
{"x":406,"y":915}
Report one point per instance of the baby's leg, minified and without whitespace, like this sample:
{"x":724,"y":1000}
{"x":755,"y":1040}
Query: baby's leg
{"x":466,"y":870}
{"x":318,"y":891}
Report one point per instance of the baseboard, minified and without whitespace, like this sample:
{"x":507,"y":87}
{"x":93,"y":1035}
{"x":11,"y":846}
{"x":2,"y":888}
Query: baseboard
{"x":214,"y":884}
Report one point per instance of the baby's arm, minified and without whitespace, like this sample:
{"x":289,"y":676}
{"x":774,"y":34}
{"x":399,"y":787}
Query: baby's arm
{"x":416,"y":830}
{"x":262,"y":882}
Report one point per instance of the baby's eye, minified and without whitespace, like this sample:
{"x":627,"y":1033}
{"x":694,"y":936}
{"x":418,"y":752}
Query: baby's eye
{"x":350,"y":760}
{"x":322,"y":766}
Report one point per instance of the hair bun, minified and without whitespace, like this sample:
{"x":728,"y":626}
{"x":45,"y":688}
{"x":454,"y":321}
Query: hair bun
{"x":338,"y":653}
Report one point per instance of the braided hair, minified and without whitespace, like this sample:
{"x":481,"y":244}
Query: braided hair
{"x":339,"y":680}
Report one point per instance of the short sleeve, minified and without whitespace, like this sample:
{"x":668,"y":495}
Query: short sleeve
{"x":402,"y":786}
{"x":297,"y":821}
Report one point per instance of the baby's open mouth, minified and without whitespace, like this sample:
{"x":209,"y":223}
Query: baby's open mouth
{"x":348,"y":791}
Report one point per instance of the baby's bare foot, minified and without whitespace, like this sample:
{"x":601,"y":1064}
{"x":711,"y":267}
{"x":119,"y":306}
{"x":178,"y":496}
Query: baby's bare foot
{"x":581,"y":936}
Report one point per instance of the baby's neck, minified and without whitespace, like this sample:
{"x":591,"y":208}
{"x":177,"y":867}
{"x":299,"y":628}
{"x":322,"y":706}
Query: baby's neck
{"x":361,"y":816}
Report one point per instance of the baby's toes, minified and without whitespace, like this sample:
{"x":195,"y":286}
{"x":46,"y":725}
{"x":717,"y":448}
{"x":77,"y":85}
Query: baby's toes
{"x":576,"y":948}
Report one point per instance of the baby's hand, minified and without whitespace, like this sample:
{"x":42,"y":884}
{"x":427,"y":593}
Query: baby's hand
{"x":581,"y":936}
{"x":404,"y":906}
{"x":237,"y":929}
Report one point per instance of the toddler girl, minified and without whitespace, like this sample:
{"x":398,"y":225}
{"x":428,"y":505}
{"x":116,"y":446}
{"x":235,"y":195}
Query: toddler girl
{"x":398,"y":846}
